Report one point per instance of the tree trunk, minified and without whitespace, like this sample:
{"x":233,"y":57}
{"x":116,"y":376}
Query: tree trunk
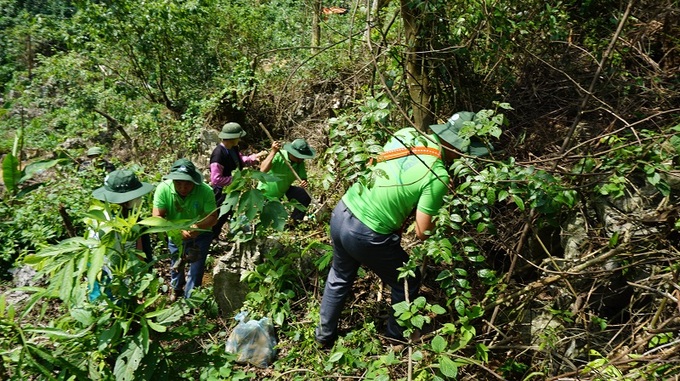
{"x":373,"y":18}
{"x":316,"y":25}
{"x":417,"y":72}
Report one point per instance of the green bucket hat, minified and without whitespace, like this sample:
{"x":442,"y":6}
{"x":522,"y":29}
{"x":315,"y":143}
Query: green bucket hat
{"x":120,"y":187}
{"x":299,"y":148}
{"x":231,"y":130}
{"x":184,"y":169}
{"x":94,"y":151}
{"x":450,"y":133}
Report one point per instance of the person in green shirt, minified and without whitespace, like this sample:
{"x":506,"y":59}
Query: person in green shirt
{"x":295,"y":154}
{"x":183,"y":195}
{"x":410,"y":178}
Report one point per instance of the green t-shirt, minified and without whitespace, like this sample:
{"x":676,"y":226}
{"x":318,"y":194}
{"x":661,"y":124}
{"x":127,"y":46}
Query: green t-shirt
{"x":276,"y":189}
{"x":400,"y":185}
{"x":197,"y":204}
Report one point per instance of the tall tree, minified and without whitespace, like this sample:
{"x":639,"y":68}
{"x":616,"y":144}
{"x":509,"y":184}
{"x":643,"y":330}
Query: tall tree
{"x":417,"y":65}
{"x":316,"y":24}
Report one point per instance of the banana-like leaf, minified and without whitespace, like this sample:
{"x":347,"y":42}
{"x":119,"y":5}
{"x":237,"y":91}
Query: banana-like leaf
{"x":38,"y":166}
{"x":161,"y":225}
{"x":11,"y":173}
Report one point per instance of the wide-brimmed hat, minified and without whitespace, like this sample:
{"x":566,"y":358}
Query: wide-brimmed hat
{"x":121,"y":186}
{"x":231,"y":130}
{"x":94,"y":151}
{"x":450,"y":133}
{"x":184,"y":169}
{"x":299,"y":148}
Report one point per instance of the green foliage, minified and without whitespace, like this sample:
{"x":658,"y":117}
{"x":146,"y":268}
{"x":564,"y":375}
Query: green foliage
{"x":29,"y":29}
{"x":250,"y":206}
{"x":273,"y":286}
{"x":648,"y":157}
{"x":117,"y":333}
{"x":13,"y":177}
{"x":224,"y":369}
{"x":354,"y":141}
{"x":89,"y":69}
{"x":414,"y":315}
{"x":159,"y":46}
{"x":22,"y":232}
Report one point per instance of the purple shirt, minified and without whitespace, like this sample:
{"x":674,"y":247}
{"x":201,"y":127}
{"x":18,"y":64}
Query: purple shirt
{"x":217,"y":177}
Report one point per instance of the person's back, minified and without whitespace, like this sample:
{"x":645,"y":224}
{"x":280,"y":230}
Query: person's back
{"x":367,"y":224}
{"x":400,"y":185}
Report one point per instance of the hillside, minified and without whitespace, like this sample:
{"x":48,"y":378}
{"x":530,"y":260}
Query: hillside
{"x":554,"y":258}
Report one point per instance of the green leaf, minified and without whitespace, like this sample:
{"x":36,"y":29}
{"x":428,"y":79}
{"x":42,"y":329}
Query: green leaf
{"x":418,"y":321}
{"x":129,"y":360}
{"x":490,"y":195}
{"x":97,"y":258}
{"x":420,"y":302}
{"x":438,"y":310}
{"x":39,"y":166}
{"x":155,"y":326}
{"x":335,"y":357}
{"x":170,"y":315}
{"x":274,"y":215}
{"x":502,"y":195}
{"x":475,"y":216}
{"x":448,"y":367}
{"x":161,"y":225}
{"x":519,"y":202}
{"x":66,"y":284}
{"x":459,"y":306}
{"x":400,"y":308}
{"x":675,"y":140}
{"x":83,"y":316}
{"x":438,"y":344}
{"x":109,"y":337}
{"x":482,"y":352}
{"x":614,"y":240}
{"x":654,"y":178}
{"x":10,"y":172}
{"x":250,"y":203}
{"x":473,"y":312}
{"x":486,"y":274}
{"x":56,"y":332}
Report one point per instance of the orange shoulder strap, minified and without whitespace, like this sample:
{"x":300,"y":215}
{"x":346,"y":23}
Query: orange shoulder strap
{"x":402,"y":152}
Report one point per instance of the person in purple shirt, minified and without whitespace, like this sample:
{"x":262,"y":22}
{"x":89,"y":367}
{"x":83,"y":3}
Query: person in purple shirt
{"x":224,"y":159}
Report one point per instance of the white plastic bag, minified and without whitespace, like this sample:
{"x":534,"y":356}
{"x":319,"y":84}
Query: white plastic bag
{"x":253,"y":341}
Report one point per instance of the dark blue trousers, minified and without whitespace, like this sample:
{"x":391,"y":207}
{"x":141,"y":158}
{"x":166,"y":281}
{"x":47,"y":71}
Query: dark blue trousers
{"x":301,"y":195}
{"x":355,"y":244}
{"x":196,"y":269}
